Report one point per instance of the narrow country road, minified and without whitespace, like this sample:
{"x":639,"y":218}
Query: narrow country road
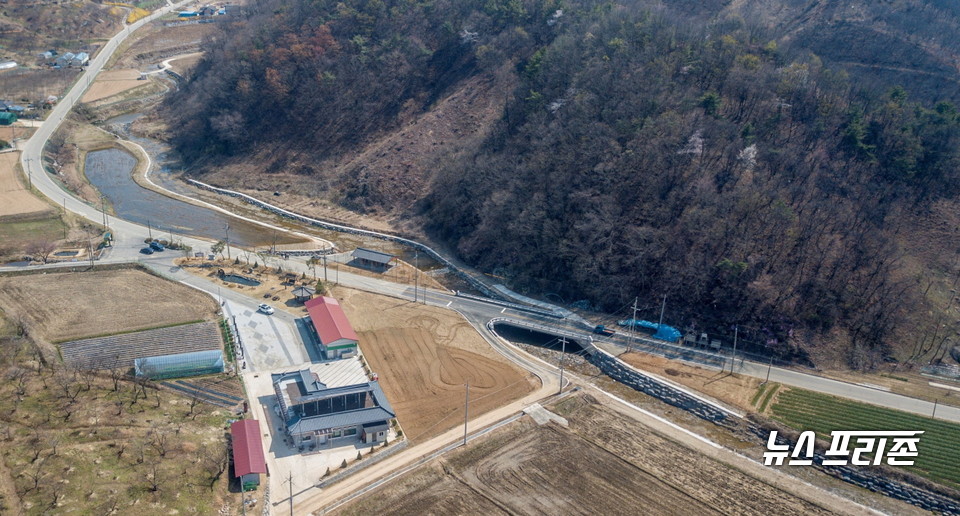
{"x":129,"y":239}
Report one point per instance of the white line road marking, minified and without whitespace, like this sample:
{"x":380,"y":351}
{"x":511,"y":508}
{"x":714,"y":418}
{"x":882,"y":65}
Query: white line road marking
{"x":449,"y":303}
{"x":504,"y":310}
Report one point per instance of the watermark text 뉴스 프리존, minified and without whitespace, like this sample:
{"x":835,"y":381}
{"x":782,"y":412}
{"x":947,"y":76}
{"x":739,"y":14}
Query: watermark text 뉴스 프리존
{"x":891,"y":447}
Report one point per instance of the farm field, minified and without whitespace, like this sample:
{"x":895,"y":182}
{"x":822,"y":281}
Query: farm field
{"x":15,"y":199}
{"x":939,"y":451}
{"x":111,"y":83}
{"x":67,"y":305}
{"x":604,"y":463}
{"x":424,"y":356}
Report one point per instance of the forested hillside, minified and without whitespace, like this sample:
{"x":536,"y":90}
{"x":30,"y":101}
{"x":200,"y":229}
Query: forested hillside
{"x":755,"y":170}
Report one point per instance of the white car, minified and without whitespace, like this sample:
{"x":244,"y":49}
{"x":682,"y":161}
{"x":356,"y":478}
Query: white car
{"x":265,"y":308}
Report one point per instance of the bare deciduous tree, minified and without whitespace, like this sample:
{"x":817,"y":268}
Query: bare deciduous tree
{"x":40,"y":249}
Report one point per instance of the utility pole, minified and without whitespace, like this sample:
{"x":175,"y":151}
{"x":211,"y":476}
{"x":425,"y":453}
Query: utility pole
{"x":416,"y":275}
{"x":935,"y":408}
{"x":64,"y":216}
{"x":149,"y":231}
{"x":663,"y":307}
{"x":769,"y":366}
{"x":290,"y":481}
{"x":633,"y":322}
{"x":466,"y":415}
{"x":563,"y":355}
{"x":324,"y":268}
{"x":733,"y":359}
{"x":30,"y":172}
{"x":227,"y":241}
{"x":103,"y":210}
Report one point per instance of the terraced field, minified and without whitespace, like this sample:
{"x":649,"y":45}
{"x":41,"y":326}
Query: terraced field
{"x":939,"y":449}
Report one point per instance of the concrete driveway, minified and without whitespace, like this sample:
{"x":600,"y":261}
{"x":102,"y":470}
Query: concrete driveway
{"x":268,"y":341}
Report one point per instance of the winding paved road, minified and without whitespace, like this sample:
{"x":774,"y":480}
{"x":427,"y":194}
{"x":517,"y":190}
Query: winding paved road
{"x":129,"y":239}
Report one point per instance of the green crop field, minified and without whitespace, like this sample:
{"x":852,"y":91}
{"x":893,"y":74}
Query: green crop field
{"x":939,"y":448}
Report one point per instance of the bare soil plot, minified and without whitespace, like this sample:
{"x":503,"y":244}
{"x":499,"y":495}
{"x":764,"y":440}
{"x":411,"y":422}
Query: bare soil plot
{"x":66,"y":305}
{"x":603,"y":464}
{"x":424,"y":356}
{"x":111,"y":83}
{"x":15,"y":199}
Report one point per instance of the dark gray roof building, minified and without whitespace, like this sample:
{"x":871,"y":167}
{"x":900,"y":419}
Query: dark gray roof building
{"x":373,"y":257}
{"x":313,"y":412}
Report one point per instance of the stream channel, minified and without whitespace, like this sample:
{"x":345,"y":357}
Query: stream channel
{"x":110,"y":171}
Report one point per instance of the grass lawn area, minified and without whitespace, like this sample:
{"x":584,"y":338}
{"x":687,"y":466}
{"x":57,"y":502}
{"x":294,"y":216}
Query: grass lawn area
{"x":939,"y":449}
{"x":18,"y":234}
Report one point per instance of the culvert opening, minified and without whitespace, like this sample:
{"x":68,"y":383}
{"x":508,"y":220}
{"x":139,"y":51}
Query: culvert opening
{"x":536,"y":338}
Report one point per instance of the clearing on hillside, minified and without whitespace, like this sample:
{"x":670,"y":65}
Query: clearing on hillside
{"x":604,"y":463}
{"x":15,"y":199}
{"x":424,"y":356}
{"x":60,"y":306}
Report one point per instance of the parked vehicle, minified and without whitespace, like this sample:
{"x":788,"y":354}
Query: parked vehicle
{"x":146,"y":250}
{"x":603,"y":330}
{"x":156,"y":246}
{"x":265,"y":308}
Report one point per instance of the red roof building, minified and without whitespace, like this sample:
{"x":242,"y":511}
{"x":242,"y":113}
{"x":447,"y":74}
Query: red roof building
{"x":337,"y":337}
{"x":248,"y":460}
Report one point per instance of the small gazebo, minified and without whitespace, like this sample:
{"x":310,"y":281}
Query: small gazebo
{"x":303,"y":293}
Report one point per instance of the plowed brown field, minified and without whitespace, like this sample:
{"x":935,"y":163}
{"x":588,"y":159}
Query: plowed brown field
{"x":604,"y":463}
{"x":424,"y":357}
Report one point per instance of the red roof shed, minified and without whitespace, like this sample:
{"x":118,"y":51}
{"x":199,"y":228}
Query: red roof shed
{"x":330,"y":322}
{"x":247,"y":448}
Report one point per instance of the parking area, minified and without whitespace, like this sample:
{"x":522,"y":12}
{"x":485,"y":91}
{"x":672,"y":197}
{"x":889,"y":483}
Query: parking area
{"x":269,"y":342}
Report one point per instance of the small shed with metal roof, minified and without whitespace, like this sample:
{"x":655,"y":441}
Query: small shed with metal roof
{"x":337,"y":338}
{"x":370,"y":259}
{"x":248,"y":458}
